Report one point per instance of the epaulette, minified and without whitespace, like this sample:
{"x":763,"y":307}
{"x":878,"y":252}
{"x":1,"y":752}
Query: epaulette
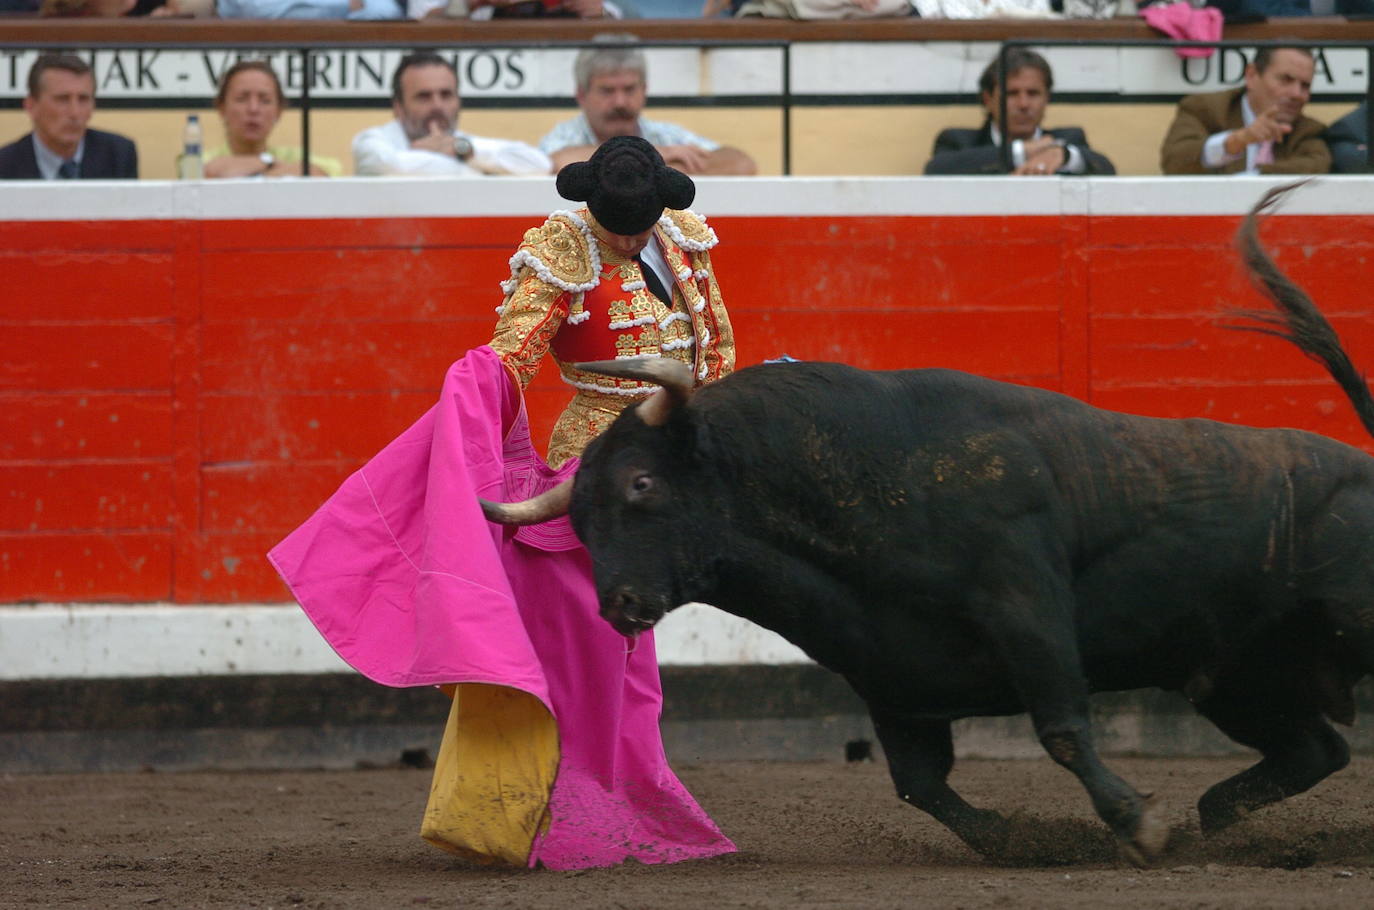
{"x":561,"y":251}
{"x":688,"y":230}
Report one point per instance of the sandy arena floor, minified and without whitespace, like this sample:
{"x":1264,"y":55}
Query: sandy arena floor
{"x":809,"y":835}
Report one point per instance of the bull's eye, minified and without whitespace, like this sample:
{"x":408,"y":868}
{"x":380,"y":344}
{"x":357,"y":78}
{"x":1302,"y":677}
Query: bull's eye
{"x":641,"y":487}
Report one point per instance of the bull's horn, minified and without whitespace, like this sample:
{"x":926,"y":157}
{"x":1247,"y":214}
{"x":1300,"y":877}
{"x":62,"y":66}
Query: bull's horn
{"x":552,"y":503}
{"x":673,"y":375}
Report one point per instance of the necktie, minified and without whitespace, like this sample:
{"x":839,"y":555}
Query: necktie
{"x":654,"y":282}
{"x":1265,"y":153}
{"x":67,"y":170}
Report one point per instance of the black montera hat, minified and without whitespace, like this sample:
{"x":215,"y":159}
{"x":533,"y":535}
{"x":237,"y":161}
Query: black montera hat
{"x":626,"y":185}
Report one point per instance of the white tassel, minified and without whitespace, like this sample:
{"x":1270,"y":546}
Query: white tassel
{"x":611,"y":389}
{"x":629,"y":324}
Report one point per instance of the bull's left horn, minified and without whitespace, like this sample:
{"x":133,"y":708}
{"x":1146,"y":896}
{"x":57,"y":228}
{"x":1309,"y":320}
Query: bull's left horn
{"x":552,"y":503}
{"x":673,"y":375}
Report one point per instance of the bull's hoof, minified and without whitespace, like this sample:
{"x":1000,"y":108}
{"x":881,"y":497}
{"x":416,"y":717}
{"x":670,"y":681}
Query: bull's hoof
{"x":1212,"y":820}
{"x":1219,"y":808}
{"x":988,"y":833}
{"x":1151,"y":834}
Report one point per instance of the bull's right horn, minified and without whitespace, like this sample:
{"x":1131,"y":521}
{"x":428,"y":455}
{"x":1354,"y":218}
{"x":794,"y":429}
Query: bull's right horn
{"x":674,"y":376}
{"x":552,"y":503}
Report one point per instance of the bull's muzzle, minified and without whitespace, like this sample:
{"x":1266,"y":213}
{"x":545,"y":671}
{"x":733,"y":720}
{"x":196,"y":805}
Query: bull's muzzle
{"x":628,"y":614}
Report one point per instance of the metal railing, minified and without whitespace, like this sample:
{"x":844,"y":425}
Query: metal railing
{"x":307,"y":55}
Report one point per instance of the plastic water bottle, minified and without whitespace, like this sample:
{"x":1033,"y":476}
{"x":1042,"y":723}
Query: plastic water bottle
{"x":189,"y":163}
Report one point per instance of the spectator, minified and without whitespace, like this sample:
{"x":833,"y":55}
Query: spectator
{"x":424,"y":140}
{"x":811,"y":9}
{"x":181,"y":9}
{"x":1348,"y":139}
{"x":612,"y":88}
{"x":60,"y":102}
{"x":518,"y":9}
{"x":310,"y":9}
{"x":74,"y":9}
{"x":1035,"y":151}
{"x":250,"y":101}
{"x":1258,"y":129}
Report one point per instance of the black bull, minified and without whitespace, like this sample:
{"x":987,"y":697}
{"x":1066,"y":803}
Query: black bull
{"x":955,"y":547}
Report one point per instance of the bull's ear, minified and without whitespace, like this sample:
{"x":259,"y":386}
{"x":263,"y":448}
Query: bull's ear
{"x":674,"y":377}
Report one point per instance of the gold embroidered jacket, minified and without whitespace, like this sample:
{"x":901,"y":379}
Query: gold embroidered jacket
{"x":570,"y":296}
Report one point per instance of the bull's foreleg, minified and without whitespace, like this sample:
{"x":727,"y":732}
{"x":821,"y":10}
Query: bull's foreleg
{"x":920,"y":754}
{"x":1136,"y":819}
{"x":1027,"y":612}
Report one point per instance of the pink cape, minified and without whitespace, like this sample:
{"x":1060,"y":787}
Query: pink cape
{"x":408,"y":582}
{"x":1182,"y":21}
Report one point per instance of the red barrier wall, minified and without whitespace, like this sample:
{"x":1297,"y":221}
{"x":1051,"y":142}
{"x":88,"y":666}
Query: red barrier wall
{"x":179,"y":394}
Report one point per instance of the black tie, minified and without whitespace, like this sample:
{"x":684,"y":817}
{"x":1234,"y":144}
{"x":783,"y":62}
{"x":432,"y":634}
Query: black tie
{"x":654,"y":282}
{"x":67,"y":170}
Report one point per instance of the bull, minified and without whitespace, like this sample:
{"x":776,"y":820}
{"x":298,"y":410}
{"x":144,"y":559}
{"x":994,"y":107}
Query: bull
{"x":955,"y":546}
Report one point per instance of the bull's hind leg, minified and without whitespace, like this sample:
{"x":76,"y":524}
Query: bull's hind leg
{"x":920,"y":754}
{"x":1299,"y":746}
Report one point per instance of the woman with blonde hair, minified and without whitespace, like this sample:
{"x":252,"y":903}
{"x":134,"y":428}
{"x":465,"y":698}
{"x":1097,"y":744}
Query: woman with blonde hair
{"x":250,"y":101}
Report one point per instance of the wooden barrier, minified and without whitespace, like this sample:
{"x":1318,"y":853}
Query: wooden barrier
{"x":191,"y":369}
{"x":18,"y":31}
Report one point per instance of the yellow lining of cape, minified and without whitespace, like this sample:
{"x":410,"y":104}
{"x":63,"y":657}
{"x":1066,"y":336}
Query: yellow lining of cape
{"x":492,"y":779}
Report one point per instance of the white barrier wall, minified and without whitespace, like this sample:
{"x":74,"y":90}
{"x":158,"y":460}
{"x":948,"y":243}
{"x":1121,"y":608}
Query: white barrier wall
{"x":94,"y":641}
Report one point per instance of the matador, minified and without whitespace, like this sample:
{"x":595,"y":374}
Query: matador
{"x":582,"y":286}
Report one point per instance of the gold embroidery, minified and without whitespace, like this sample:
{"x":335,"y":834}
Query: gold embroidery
{"x":562,"y":247}
{"x":531,"y":316}
{"x":691,"y":225}
{"x":586,"y":417}
{"x":618,"y":311}
{"x":645,"y":305}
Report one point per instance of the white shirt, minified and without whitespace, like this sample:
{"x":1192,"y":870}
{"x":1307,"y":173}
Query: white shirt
{"x":578,"y":131}
{"x":653,"y":257}
{"x":49,"y":161}
{"x":1214,"y":149}
{"x":385,"y":150}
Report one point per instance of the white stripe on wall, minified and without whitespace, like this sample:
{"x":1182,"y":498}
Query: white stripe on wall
{"x":534,"y":197}
{"x":103,"y":641}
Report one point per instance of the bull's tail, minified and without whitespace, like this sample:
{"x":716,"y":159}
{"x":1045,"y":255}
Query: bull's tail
{"x":1298,"y":320}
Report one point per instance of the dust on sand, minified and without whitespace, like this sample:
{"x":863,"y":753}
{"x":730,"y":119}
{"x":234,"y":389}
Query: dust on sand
{"x":809,"y":835}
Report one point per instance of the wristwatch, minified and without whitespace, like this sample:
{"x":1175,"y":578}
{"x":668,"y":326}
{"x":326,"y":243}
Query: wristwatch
{"x":267,"y":159}
{"x":462,"y":148}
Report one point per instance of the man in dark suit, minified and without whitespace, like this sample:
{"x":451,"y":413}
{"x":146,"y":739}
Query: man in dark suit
{"x":61,"y":147}
{"x":1258,"y":129}
{"x":1035,"y":152}
{"x":1348,"y":139}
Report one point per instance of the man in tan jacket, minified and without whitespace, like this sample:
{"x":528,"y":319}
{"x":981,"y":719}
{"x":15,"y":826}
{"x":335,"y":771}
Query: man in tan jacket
{"x":1259,"y":129}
